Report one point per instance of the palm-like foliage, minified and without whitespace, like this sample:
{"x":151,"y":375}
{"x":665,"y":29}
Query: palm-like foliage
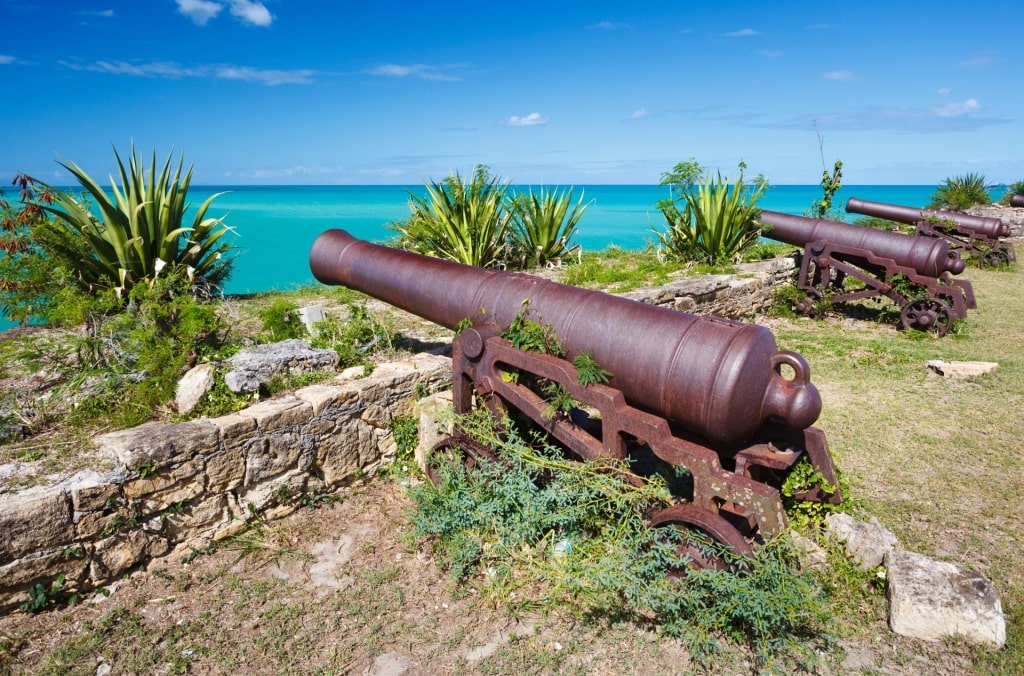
{"x":459,"y":221}
{"x":716,"y":224}
{"x":1015,"y":188}
{"x":958,"y":193}
{"x":544,"y":224}
{"x":140,"y":227}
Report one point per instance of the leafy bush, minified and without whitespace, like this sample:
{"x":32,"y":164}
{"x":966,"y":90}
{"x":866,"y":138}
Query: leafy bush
{"x":1015,"y":188}
{"x":717,"y":223}
{"x":281,"y":321}
{"x":830,"y":184}
{"x":560,"y":533}
{"x":958,"y":193}
{"x":543,"y":225}
{"x":355,"y":339}
{"x":463,"y":222}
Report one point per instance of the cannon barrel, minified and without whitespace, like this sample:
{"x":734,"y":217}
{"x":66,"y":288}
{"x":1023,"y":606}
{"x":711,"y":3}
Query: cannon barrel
{"x":984,"y":226}
{"x":1017,"y":201}
{"x":928,"y":256}
{"x":718,"y":379}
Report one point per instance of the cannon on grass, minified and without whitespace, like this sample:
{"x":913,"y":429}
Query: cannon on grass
{"x":708,"y":395}
{"x":843,"y":262}
{"x":979,"y":236}
{"x":1017,"y":201}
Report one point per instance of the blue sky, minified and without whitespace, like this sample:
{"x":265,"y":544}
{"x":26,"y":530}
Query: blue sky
{"x":302,"y":92}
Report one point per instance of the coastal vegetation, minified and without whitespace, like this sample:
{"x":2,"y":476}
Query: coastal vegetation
{"x":958,"y":193}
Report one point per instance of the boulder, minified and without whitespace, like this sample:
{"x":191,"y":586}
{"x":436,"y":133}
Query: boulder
{"x":934,"y":599}
{"x":257,"y":365}
{"x":961,"y":369}
{"x":193,"y":385}
{"x":866,"y":542}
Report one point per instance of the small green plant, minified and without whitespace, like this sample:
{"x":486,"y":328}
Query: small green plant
{"x":281,"y":321}
{"x":959,"y":193}
{"x":543,"y":225}
{"x":588,"y":370}
{"x":717,"y":223}
{"x":830,"y":184}
{"x":41,"y":595}
{"x":532,"y":336}
{"x":683,"y":177}
{"x":808,"y":514}
{"x":357,"y":338}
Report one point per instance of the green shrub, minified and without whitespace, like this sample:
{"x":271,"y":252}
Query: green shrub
{"x":717,"y":223}
{"x":357,"y":338}
{"x":459,"y":221}
{"x":1015,"y":188}
{"x":543,"y":225}
{"x":558,"y":533}
{"x":959,"y":193}
{"x":281,"y":321}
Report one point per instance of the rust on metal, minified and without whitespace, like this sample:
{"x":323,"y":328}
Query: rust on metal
{"x":975,"y":235}
{"x":876,"y":261}
{"x":710,"y":395}
{"x":1017,"y":201}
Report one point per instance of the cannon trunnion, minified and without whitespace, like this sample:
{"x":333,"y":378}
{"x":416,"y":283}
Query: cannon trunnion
{"x":979,"y":236}
{"x":710,"y":395}
{"x":843,"y":262}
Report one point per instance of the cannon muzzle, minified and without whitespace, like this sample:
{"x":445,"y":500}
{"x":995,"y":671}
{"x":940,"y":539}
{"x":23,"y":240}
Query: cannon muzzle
{"x":983,"y":226}
{"x":718,"y":379}
{"x":928,"y":256}
{"x":1017,"y":201}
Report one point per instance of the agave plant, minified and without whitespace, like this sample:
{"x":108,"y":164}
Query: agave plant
{"x":464,"y":222}
{"x":544,"y":224}
{"x":716,"y":224}
{"x":1015,"y":188}
{"x":140,"y":229}
{"x":958,"y":193}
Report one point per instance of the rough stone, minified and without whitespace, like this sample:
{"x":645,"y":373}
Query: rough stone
{"x":961,"y":369}
{"x":225,"y":471}
{"x":34,"y":520}
{"x":257,"y":365}
{"x":934,"y":599}
{"x":116,"y":554}
{"x":866,"y":542}
{"x":193,"y":385}
{"x":431,"y":426}
{"x":159,"y":444}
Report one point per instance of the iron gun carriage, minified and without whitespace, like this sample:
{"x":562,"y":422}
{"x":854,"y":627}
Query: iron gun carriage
{"x":979,"y":236}
{"x":709,"y":395}
{"x":914,"y":272}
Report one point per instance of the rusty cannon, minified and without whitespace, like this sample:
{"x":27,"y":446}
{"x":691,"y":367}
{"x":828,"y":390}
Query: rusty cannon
{"x":843,"y":262}
{"x":978,"y":236}
{"x":1017,"y":201}
{"x":705,"y":394}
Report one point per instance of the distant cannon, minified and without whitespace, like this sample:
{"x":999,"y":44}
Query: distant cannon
{"x":843,"y":262}
{"x":710,"y":395}
{"x":976,"y":235}
{"x":1017,"y":201}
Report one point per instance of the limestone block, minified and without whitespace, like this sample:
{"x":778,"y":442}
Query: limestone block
{"x":47,"y":565}
{"x":376,"y":416}
{"x":961,"y":369}
{"x":235,"y":429}
{"x":193,"y":385}
{"x":278,"y":414}
{"x":270,"y":456}
{"x":160,"y":444}
{"x":325,"y":397}
{"x":32,"y":520}
{"x":115,"y":555}
{"x":225,"y":471}
{"x":432,"y":425}
{"x":338,"y":455}
{"x":198,"y":519}
{"x":163,"y":479}
{"x":934,"y":599}
{"x":866,"y":542}
{"x":92,"y":492}
{"x":276,"y":490}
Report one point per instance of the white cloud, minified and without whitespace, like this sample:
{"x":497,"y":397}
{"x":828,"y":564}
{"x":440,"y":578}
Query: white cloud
{"x":200,"y":11}
{"x":841,"y":75}
{"x":419,"y":70}
{"x":958,"y":109}
{"x":172,"y":71}
{"x":252,"y":13}
{"x":639,"y":114}
{"x":943,"y":91}
{"x":247,"y":11}
{"x":611,"y":26}
{"x":742,"y":33}
{"x":531,"y":120}
{"x":6,"y":59}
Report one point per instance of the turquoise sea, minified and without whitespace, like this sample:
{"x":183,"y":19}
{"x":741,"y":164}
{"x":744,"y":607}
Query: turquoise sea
{"x":275,"y":226}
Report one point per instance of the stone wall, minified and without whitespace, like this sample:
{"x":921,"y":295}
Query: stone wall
{"x":192,"y":483}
